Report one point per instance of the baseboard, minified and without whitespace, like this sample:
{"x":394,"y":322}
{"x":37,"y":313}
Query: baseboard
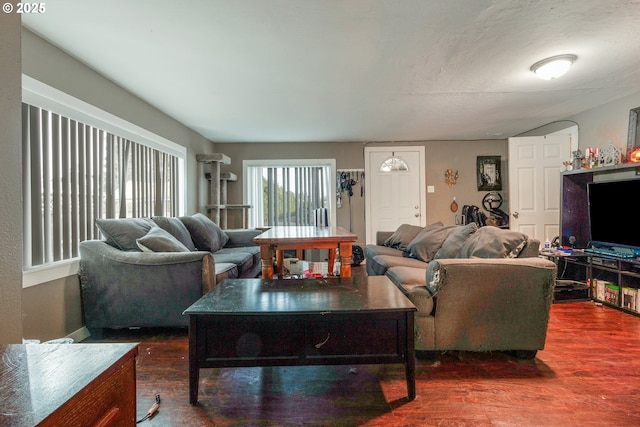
{"x":80,"y":335}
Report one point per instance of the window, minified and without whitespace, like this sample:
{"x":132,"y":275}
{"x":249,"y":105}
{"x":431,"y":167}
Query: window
{"x":286,"y":192}
{"x":394,"y":164}
{"x":75,"y":172}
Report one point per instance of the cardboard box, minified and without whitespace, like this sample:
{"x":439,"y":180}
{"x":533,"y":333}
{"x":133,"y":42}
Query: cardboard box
{"x":293,"y":265}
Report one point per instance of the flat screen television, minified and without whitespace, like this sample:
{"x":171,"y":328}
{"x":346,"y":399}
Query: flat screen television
{"x":613,"y":220}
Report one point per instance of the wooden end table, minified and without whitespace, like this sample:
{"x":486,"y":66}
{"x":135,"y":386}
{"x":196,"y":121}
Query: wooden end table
{"x":68,"y":384}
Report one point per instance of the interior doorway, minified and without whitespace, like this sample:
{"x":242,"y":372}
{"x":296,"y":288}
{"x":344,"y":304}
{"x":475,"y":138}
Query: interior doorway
{"x":535,"y":165}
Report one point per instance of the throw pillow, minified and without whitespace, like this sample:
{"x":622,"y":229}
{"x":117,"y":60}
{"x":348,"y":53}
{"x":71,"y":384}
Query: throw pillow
{"x":452,"y":246}
{"x":176,"y":228}
{"x":494,"y":242}
{"x":159,"y":240}
{"x":123,"y":232}
{"x":206,"y":234}
{"x":426,"y":244}
{"x":402,"y":236}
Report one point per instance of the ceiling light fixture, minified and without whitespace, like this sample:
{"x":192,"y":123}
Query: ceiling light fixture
{"x":554,"y":67}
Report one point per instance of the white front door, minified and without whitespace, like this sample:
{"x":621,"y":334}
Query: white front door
{"x":535,"y":164}
{"x":395,"y":188}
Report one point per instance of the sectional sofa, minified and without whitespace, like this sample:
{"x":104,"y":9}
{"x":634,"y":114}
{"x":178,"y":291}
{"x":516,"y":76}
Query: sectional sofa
{"x":146,"y":271}
{"x":476,"y":289}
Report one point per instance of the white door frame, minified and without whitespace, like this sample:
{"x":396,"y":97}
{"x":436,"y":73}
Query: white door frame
{"x":371,"y":234}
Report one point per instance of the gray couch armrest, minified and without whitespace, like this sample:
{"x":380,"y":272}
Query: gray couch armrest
{"x":122,"y":289}
{"x":505,"y":302}
{"x":241,"y":237}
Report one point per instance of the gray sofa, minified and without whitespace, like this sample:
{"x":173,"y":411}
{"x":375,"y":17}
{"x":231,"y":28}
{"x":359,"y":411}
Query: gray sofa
{"x":147,"y":271}
{"x":476,"y":289}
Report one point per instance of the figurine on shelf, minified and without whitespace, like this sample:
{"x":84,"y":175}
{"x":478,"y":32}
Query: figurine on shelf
{"x":609,"y":155}
{"x":577,"y":159}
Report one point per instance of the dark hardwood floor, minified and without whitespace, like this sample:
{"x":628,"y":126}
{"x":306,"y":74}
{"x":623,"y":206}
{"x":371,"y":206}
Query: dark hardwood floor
{"x":587,"y":375}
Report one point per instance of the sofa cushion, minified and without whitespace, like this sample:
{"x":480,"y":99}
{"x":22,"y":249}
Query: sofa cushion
{"x":402,"y":236}
{"x":206,"y":234}
{"x":122,"y":233}
{"x":454,"y":242}
{"x":176,"y":228}
{"x":425,"y":245}
{"x":411,"y":281}
{"x":225,"y":270}
{"x":422,"y":299}
{"x":371,"y":251}
{"x":159,"y":240}
{"x":241,"y":237}
{"x":243,"y":258}
{"x":493,"y":242}
{"x":385,"y":262}
{"x":406,"y":278}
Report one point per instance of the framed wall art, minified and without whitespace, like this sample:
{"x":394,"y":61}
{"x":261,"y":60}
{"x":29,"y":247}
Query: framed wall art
{"x":488,"y":172}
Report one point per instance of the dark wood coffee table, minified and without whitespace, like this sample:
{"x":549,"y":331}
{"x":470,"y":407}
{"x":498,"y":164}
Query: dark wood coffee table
{"x":259,"y":322}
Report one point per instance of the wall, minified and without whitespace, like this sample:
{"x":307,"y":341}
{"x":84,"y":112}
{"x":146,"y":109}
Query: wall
{"x":51,"y":310}
{"x":598,"y":126}
{"x":460,"y":156}
{"x":10,"y":176}
{"x":439,"y":156}
{"x":607,"y":123}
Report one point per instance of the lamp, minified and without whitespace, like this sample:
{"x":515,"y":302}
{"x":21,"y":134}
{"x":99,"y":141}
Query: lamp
{"x":634,"y":156}
{"x":553,"y":67}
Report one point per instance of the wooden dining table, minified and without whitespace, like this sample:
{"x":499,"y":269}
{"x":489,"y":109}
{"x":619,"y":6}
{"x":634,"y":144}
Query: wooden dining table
{"x":277,"y":239}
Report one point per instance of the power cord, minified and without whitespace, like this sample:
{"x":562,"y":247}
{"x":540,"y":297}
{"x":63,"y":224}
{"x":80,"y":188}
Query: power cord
{"x":152,"y":410}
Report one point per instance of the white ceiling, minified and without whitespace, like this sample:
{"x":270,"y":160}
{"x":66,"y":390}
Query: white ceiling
{"x":354,"y":70}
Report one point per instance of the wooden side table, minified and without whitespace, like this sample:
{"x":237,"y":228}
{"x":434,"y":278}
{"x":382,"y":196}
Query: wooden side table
{"x":277,"y":239}
{"x":68,"y":385}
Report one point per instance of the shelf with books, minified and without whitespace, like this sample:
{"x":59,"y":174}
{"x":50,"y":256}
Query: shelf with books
{"x":611,"y":281}
{"x":616,"y":283}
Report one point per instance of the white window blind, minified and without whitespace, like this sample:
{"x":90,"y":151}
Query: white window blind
{"x":287,"y":194}
{"x":74,"y":173}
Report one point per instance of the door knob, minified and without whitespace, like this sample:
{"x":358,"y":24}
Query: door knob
{"x":417,"y":214}
{"x":516,"y":214}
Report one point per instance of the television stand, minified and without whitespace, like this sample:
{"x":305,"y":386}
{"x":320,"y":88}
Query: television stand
{"x":613,"y":280}
{"x":572,"y":277}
